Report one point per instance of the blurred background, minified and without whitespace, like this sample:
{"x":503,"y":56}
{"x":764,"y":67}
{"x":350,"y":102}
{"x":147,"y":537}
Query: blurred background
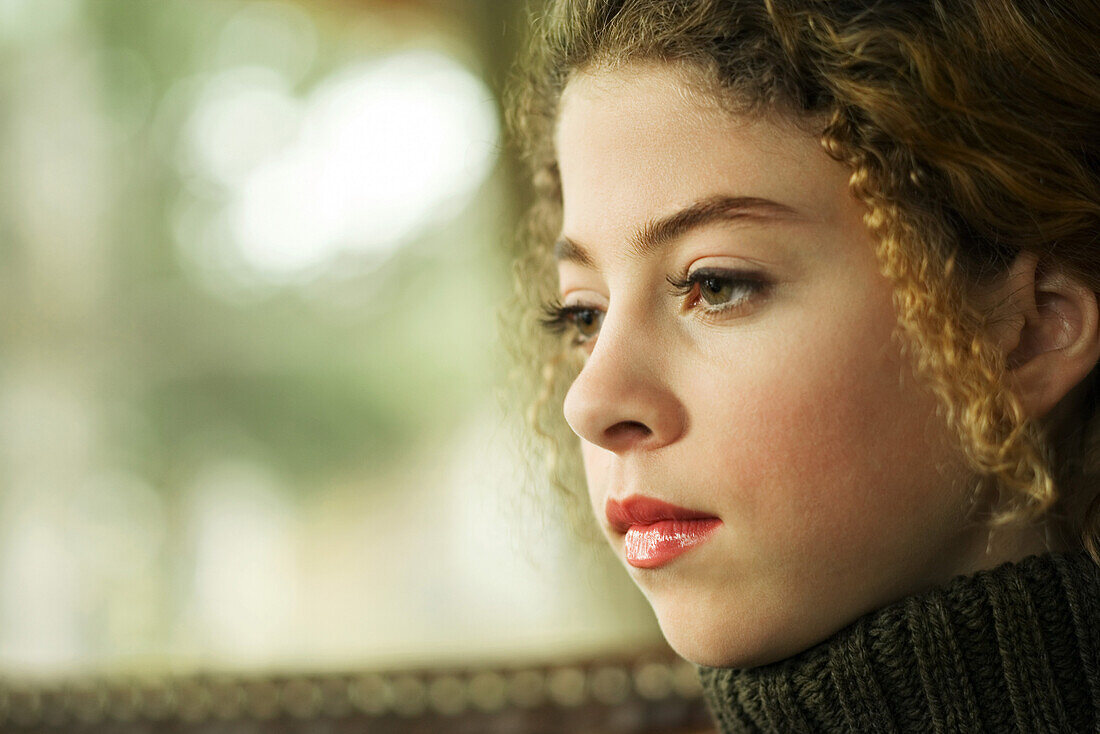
{"x":251,"y":253}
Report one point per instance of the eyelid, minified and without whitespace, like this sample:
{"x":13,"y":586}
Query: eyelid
{"x":587,"y":297}
{"x":689,"y":278}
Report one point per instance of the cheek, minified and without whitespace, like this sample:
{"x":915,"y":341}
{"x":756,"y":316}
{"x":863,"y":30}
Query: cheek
{"x":826,"y":436}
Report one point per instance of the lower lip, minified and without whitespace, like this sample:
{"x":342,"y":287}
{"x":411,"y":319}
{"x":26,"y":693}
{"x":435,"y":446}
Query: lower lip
{"x":650,"y":546}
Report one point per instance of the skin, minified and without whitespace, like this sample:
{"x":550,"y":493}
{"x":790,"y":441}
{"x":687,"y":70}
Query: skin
{"x":794,"y":418}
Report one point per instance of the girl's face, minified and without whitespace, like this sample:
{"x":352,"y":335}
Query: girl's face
{"x":766,"y":393}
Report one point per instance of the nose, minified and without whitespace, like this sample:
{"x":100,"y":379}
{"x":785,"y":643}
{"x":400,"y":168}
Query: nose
{"x":621,"y":400}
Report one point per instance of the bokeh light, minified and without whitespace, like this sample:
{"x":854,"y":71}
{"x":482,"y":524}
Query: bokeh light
{"x":376,"y":153}
{"x":250,"y":261}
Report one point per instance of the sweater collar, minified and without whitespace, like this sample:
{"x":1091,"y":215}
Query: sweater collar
{"x":1014,"y":648}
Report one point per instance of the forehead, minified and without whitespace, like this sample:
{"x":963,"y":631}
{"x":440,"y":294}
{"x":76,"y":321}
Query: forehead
{"x":636,"y":143}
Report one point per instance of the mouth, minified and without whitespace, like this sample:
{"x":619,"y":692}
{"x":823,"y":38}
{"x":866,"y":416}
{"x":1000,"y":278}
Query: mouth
{"x":657,"y":532}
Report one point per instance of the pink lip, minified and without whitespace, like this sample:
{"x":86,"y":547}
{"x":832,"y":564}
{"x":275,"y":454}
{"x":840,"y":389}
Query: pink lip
{"x":657,"y":532}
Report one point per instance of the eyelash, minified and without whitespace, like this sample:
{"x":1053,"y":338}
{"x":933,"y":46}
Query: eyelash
{"x":558,"y":318}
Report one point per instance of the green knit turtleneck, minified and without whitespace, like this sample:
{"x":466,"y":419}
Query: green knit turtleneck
{"x":1012,"y":649}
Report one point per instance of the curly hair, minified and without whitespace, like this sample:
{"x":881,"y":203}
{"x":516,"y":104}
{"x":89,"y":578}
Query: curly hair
{"x":972,"y":132}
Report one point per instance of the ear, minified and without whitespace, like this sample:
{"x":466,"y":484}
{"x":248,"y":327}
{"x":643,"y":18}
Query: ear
{"x":1047,"y":323}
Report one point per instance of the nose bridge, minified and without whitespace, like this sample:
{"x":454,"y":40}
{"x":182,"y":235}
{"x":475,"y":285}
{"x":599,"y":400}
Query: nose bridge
{"x":622,"y":398}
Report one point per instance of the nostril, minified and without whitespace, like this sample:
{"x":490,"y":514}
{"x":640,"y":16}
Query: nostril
{"x":626,"y":431}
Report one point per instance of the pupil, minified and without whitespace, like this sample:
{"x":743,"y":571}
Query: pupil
{"x":715,"y":290}
{"x":586,"y":322}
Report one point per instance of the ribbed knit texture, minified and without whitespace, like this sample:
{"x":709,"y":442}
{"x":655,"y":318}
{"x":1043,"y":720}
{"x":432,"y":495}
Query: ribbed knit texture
{"x":1011,"y":649}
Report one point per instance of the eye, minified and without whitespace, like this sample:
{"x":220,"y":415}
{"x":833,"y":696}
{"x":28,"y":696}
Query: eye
{"x":721,"y":290}
{"x":583,"y":320}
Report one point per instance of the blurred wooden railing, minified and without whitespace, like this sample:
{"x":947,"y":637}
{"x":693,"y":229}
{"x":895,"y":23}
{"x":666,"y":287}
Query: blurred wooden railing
{"x":653,"y":692}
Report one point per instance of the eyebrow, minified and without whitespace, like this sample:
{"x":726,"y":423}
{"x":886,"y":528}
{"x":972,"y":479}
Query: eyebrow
{"x":657,"y":233}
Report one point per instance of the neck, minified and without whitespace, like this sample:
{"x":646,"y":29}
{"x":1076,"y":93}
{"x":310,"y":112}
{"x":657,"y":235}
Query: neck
{"x":1013,"y":648}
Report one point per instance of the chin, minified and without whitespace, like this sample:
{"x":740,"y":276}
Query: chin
{"x":725,"y":640}
{"x":717,"y":652}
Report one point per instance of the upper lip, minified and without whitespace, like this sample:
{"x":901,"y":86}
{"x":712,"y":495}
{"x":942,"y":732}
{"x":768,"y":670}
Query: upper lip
{"x":639,"y":510}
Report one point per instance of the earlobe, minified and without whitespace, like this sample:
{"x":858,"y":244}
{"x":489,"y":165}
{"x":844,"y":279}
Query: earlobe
{"x":1049,"y":329}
